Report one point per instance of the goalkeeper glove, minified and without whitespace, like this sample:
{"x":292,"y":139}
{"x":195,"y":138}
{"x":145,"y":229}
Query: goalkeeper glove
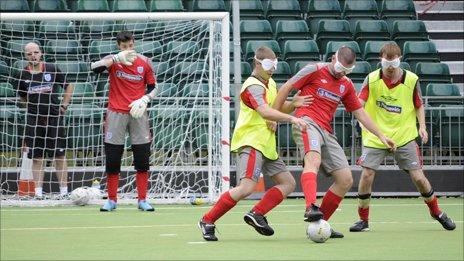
{"x":125,"y":57}
{"x":139,"y":106}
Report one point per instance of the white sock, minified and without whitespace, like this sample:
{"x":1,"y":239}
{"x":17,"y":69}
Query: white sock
{"x":38,"y":191}
{"x":63,"y":190}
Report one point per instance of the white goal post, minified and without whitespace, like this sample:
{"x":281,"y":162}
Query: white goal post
{"x":189,"y":118}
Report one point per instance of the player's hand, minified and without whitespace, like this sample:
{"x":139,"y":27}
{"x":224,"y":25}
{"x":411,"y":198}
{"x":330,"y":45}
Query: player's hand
{"x":299,"y":101}
{"x":139,"y":106}
{"x":388,"y":142}
{"x":424,"y":135}
{"x":300,"y":123}
{"x":126,"y":57}
{"x":271,"y":125}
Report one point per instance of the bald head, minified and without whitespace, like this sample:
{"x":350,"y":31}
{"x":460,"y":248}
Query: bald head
{"x":265,"y":52}
{"x":33,"y":53}
{"x":346,"y":55}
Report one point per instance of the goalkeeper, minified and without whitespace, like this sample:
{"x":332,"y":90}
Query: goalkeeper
{"x":255,"y":142}
{"x":132,"y":84}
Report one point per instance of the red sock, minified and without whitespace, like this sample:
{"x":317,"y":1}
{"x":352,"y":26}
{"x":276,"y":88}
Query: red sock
{"x":309,"y":187}
{"x":112,"y":183}
{"x":224,"y":204}
{"x":329,"y":204}
{"x":363,"y":213}
{"x":142,"y":183}
{"x":272,"y":198}
{"x":433,"y":207}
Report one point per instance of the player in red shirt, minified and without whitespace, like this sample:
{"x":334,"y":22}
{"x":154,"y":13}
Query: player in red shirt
{"x":329,"y":86}
{"x":132,"y":84}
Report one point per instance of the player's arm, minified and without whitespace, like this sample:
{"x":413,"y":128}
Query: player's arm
{"x":364,"y":93}
{"x":297,"y":101}
{"x":139,"y":106}
{"x":420,"y":113}
{"x":125,"y":57}
{"x":296,"y":82}
{"x":253,"y":97}
{"x":68,"y":89}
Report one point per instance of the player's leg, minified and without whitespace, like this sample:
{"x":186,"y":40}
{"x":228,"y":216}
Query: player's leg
{"x":35,"y":141}
{"x":115,"y":132}
{"x":139,"y":131}
{"x":309,"y":143}
{"x":38,"y":174}
{"x":285,"y":184}
{"x":370,"y":161}
{"x":249,"y":162}
{"x":56,"y":148}
{"x":409,"y":159}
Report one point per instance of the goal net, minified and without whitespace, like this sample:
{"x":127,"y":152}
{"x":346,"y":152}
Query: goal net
{"x":189,"y":118}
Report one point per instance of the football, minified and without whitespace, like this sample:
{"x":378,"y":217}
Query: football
{"x":80,"y":196}
{"x":318,"y":231}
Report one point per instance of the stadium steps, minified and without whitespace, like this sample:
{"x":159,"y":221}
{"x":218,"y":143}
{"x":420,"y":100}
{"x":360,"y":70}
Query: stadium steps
{"x":444,"y":22}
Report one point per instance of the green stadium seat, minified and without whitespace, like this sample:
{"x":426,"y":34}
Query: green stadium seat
{"x":342,"y":128}
{"x":361,"y":70}
{"x":358,"y":86}
{"x":166,"y":89}
{"x":170,"y":133}
{"x":162,"y":70}
{"x":4,"y":71}
{"x":166,"y":6}
{"x":139,"y":28}
{"x":98,"y":29}
{"x":300,"y":50}
{"x":367,"y":30}
{"x":50,"y":6}
{"x":7,"y":90}
{"x":432,"y":73}
{"x":285,"y":137}
{"x":190,"y":71}
{"x":298,"y":65}
{"x":398,"y":9}
{"x":245,"y":68}
{"x":451,"y":128}
{"x":10,"y":134}
{"x":17,"y":29}
{"x":75,"y":71}
{"x":279,"y":10}
{"x":360,"y":9}
{"x":196,"y":90}
{"x":419,"y":51}
{"x":151,"y":49}
{"x":283,"y":72}
{"x":180,"y":50}
{"x":14,"y":6}
{"x":372,"y":51}
{"x":291,"y":30}
{"x":58,"y":29}
{"x":332,"y":30}
{"x":93,"y":6}
{"x":409,"y":30}
{"x":82,"y":92}
{"x":62,"y":50}
{"x":317,"y":10}
{"x":84,"y":122}
{"x":208,"y":6}
{"x":447,"y":93}
{"x":18,"y":66}
{"x":403,"y":65}
{"x":101,"y":48}
{"x":250,"y":9}
{"x":251,"y":47}
{"x":129,"y":6}
{"x":255,"y":30}
{"x":333,"y":46}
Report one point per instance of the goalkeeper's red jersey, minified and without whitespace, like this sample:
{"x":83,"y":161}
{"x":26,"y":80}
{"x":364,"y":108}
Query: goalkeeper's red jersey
{"x":129,"y":83}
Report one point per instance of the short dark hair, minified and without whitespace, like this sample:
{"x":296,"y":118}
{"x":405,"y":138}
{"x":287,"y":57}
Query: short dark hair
{"x":346,"y":54}
{"x":124,"y":36}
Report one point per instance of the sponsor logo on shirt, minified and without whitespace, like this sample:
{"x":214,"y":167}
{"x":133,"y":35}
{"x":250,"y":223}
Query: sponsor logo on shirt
{"x":130,"y":77}
{"x":389,"y":108}
{"x":328,"y":95}
{"x":39,"y":88}
{"x":388,"y":98}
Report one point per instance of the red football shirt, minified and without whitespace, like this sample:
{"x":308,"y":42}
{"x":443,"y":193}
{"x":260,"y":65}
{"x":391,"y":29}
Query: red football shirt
{"x":129,"y":83}
{"x":327,"y":91}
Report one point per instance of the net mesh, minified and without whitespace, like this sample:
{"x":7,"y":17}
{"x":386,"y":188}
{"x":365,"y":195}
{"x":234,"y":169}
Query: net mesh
{"x":185,"y":116}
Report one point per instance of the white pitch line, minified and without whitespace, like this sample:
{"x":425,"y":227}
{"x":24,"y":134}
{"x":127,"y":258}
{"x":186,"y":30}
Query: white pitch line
{"x":3,"y":209}
{"x":193,"y":225}
{"x":168,"y":235}
{"x":197,"y":242}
